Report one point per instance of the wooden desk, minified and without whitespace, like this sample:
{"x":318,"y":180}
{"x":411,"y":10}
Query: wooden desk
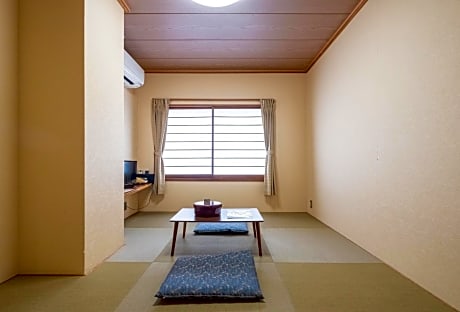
{"x":188,"y":215}
{"x":133,"y":202}
{"x":137,"y":188}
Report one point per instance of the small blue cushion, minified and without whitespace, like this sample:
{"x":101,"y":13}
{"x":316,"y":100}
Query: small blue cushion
{"x":221,"y":228}
{"x":228,"y":275}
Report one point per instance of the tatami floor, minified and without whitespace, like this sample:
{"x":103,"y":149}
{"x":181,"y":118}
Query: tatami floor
{"x":305,"y":266}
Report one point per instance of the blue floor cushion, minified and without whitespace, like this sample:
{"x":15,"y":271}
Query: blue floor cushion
{"x":221,"y":228}
{"x":229,"y":275}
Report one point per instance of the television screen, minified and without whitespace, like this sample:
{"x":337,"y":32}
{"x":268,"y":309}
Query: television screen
{"x":130,"y":170}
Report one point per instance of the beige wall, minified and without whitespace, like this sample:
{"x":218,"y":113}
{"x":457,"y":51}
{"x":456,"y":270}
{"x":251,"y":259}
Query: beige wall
{"x":130,"y":125}
{"x":8,"y":139}
{"x":138,"y":200}
{"x":103,"y":130}
{"x":51,"y":151}
{"x":386,"y":132}
{"x":71,"y":125}
{"x":291,"y":151}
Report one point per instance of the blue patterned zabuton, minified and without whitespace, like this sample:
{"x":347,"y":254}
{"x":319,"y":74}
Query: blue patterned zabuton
{"x":221,"y":228}
{"x":228,"y":275}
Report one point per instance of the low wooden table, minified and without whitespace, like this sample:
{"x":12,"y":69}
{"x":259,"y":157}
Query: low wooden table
{"x":188,"y":215}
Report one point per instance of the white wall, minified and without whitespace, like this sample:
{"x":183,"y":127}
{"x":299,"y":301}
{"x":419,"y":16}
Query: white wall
{"x":291,"y":152}
{"x":385,"y":125}
{"x":8,"y":139}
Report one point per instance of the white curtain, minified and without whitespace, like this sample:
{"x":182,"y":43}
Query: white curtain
{"x":160,"y":109}
{"x":268,"y":120}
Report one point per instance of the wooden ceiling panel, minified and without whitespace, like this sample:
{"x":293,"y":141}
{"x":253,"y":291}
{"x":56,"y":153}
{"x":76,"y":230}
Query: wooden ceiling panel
{"x":226,"y":48}
{"x":244,"y":6}
{"x":249,"y":36}
{"x":230,"y":26}
{"x":230,"y":65}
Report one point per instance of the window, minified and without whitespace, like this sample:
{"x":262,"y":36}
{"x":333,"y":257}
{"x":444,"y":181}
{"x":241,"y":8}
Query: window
{"x":215,"y":141}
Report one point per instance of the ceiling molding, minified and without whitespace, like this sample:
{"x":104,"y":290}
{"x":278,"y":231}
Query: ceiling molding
{"x":337,"y":33}
{"x":124,"y":5}
{"x":225,"y":71}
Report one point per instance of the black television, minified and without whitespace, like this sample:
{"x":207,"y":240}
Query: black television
{"x":130,"y":171}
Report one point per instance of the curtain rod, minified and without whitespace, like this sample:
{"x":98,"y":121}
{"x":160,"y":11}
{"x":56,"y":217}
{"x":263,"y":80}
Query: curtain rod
{"x":210,"y":100}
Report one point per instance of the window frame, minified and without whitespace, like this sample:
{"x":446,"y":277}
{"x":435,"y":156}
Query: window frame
{"x":211,"y":177}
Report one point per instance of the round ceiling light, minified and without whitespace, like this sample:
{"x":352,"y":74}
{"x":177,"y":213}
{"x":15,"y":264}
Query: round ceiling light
{"x":216,"y":3}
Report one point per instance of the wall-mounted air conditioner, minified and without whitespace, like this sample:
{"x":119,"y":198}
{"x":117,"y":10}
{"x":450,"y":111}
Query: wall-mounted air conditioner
{"x":133,"y":73}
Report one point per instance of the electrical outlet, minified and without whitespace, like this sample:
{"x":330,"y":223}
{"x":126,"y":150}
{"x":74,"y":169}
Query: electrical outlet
{"x":311,"y":204}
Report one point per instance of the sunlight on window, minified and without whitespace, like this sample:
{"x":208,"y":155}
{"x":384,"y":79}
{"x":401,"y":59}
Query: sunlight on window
{"x":214,"y":141}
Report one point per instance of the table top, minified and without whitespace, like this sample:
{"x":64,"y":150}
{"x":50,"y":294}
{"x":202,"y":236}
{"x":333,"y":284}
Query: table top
{"x":239,"y":215}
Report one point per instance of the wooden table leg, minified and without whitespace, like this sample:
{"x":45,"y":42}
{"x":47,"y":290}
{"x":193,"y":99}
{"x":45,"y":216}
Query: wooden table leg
{"x":183,"y":229}
{"x":176,"y":224}
{"x":254,"y":229}
{"x":258,"y":238}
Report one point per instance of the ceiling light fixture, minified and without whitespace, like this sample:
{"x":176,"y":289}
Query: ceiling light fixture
{"x":216,"y":3}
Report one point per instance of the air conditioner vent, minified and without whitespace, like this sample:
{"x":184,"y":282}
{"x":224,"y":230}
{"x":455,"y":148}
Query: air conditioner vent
{"x":133,"y":73}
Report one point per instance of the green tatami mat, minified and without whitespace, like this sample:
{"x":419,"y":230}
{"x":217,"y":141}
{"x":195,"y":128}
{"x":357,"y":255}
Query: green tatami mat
{"x":354,"y":287}
{"x":150,"y":219}
{"x":213,"y":244}
{"x":290,"y":220}
{"x":102,"y":290}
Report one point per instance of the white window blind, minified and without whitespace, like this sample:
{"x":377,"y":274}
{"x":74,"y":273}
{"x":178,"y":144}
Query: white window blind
{"x":214,"y":140}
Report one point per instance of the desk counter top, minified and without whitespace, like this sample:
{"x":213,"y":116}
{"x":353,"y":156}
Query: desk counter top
{"x":137,"y":188}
